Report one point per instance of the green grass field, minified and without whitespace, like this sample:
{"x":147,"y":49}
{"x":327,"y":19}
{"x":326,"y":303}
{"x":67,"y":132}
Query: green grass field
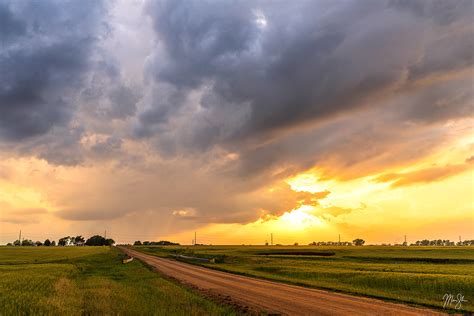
{"x":89,"y":280}
{"x":414,"y":275}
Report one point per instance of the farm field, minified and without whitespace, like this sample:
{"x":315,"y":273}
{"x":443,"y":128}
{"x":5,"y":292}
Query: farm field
{"x":413,"y":275}
{"x":90,"y":280}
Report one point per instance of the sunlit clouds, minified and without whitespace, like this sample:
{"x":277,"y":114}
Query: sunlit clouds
{"x":307,"y":119}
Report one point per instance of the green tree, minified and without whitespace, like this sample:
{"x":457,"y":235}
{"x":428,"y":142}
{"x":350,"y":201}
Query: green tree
{"x":63,"y":241}
{"x":38,"y":243}
{"x":95,"y":240}
{"x":358,"y":242}
{"x":98,"y":240}
{"x":109,"y":242}
{"x":53,"y":244}
{"x":27,"y":242}
{"x":47,"y":243}
{"x":79,"y":240}
{"x":137,"y":243}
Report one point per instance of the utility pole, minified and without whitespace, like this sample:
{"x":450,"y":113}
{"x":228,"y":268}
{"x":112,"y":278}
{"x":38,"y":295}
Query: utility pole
{"x":105,"y":234}
{"x":405,"y":239}
{"x":339,"y":239}
{"x":195,"y":239}
{"x":271,"y":239}
{"x":19,"y":238}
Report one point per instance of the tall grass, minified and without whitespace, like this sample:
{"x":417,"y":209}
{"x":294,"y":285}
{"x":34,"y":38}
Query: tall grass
{"x":90,"y":280}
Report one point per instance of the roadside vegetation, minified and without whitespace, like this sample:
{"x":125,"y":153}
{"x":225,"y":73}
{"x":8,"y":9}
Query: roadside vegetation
{"x":90,"y":281}
{"x":414,"y":275}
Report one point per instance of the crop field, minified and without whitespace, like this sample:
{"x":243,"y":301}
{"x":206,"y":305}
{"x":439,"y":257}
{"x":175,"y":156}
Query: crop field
{"x":90,"y":280}
{"x":413,"y":275}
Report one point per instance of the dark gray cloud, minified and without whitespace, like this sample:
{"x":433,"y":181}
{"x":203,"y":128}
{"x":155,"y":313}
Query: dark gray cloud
{"x":281,"y":65}
{"x":10,"y":26}
{"x":47,"y":48}
{"x":123,"y":100}
{"x":107,"y":95}
{"x":437,"y":103}
{"x":61,"y":146}
{"x":108,"y":147}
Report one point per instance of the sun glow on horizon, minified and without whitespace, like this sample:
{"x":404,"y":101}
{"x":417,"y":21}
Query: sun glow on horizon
{"x":299,"y":218}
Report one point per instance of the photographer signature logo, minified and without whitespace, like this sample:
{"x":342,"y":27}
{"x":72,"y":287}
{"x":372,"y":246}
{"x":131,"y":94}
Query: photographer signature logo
{"x":451,"y":300}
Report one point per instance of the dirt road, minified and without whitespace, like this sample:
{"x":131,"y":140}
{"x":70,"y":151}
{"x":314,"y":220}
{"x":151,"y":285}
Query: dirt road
{"x":273,"y":297}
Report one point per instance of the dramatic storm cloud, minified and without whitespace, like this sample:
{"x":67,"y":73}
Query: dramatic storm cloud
{"x":272,"y":66}
{"x":46,"y":50}
{"x":195,"y":112}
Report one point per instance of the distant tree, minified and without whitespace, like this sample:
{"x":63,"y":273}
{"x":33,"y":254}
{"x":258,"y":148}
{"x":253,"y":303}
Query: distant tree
{"x":99,"y":241}
{"x":27,"y":242}
{"x":53,"y":244}
{"x":296,"y":244}
{"x":137,"y":243}
{"x":63,"y":241}
{"x":95,"y":240}
{"x":47,"y":243}
{"x":166,"y":243}
{"x":38,"y":243}
{"x":358,"y":242}
{"x":425,"y":242}
{"x":146,"y":243}
{"x":109,"y":242}
{"x":9,"y":244}
{"x":17,"y":243}
{"x":79,"y":240}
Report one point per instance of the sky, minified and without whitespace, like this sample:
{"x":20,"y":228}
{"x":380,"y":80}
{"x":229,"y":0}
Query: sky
{"x":308,"y":120}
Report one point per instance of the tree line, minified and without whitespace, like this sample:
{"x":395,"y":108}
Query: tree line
{"x":424,"y":242}
{"x":95,"y":240}
{"x":155,"y":243}
{"x":442,"y":242}
{"x":355,"y":242}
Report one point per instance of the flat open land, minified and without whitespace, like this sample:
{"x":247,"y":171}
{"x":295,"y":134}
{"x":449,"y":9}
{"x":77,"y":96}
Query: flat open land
{"x":412,"y":275}
{"x":274,"y":297}
{"x":90,"y":281}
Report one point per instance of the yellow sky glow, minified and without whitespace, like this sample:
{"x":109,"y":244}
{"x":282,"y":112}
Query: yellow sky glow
{"x":362,"y":207}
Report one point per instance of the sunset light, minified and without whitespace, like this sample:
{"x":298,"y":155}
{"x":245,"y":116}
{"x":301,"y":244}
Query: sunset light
{"x":318,"y":145}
